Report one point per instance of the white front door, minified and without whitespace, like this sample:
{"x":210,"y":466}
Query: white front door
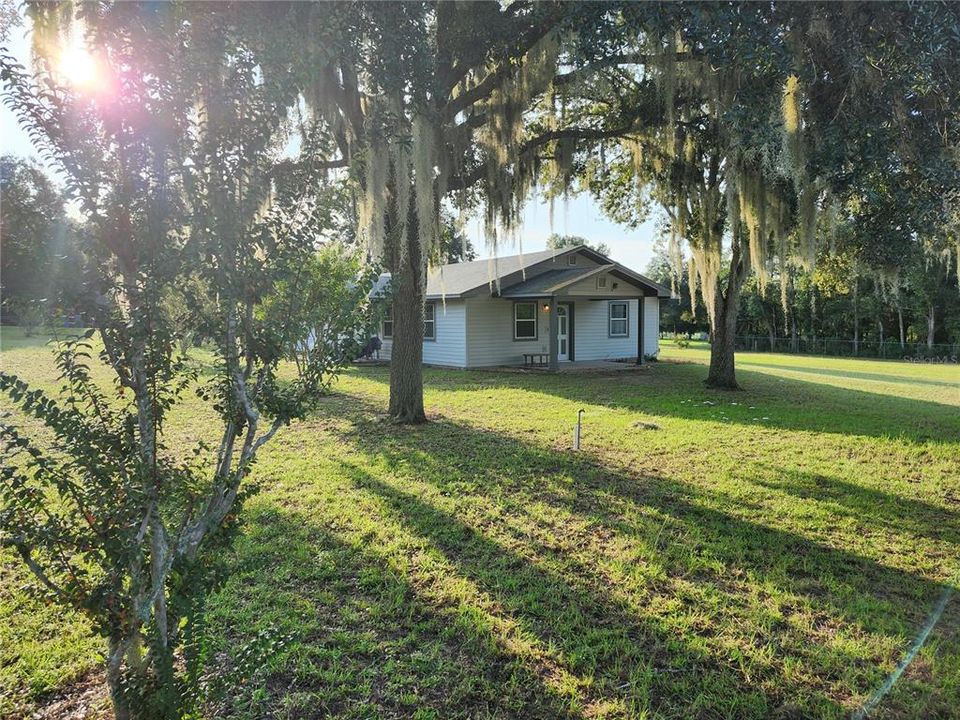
{"x":563,"y":332}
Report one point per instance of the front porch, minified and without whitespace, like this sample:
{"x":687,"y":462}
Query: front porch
{"x":579,"y":367}
{"x":581,"y":332}
{"x":594,"y":314}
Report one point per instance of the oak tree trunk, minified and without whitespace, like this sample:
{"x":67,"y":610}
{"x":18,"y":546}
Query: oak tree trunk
{"x":723,"y":333}
{"x":723,"y":324}
{"x":406,"y":356}
{"x":931,"y":326}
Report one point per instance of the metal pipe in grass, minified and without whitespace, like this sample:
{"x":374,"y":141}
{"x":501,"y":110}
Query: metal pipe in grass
{"x":877,"y":697}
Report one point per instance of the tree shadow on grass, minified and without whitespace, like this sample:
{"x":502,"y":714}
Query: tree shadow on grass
{"x":582,"y":484}
{"x":868,"y":505}
{"x":730,"y":578}
{"x":362,"y":642}
{"x":860,"y":375}
{"x":622,"y":663}
{"x":676,"y":390}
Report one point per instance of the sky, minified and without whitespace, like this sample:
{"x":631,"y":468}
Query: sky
{"x":579,"y":215}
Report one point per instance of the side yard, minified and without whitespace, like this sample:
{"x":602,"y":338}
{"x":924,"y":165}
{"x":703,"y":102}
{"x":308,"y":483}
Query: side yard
{"x":768,"y":553}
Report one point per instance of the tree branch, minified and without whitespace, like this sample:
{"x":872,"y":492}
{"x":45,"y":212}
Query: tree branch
{"x":462,"y":182}
{"x":520,"y":47}
{"x":635,"y":58}
{"x":39,"y":572}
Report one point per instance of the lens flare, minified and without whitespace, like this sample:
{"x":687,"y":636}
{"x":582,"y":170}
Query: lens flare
{"x":77,"y":65}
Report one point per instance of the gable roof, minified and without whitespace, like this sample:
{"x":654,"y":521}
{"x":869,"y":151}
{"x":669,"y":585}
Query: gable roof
{"x":532,"y":273}
{"x":552,"y":280}
{"x":457,"y":279}
{"x":536,"y":273}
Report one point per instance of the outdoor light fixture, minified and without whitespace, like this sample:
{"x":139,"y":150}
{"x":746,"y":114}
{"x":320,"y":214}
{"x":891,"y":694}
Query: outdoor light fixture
{"x":546,"y":307}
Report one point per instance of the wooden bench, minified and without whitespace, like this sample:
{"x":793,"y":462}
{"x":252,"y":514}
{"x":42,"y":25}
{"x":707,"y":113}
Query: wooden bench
{"x":535,"y":359}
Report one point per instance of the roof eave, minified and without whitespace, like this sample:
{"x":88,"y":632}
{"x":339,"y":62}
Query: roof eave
{"x":639,"y":279}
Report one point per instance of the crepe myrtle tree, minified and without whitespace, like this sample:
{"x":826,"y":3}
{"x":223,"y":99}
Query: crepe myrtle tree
{"x":170,"y":156}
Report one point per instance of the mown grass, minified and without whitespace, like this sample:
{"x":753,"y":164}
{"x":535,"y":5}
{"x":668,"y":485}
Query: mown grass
{"x":767,"y":553}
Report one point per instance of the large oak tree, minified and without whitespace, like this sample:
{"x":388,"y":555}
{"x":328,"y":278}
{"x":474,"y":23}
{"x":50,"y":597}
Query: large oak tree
{"x":436,"y":104}
{"x":770,"y":115}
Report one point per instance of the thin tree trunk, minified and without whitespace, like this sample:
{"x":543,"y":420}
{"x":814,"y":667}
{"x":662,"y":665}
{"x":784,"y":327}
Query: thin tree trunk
{"x":406,"y":358}
{"x":115,"y":653}
{"x":931,"y":326}
{"x":903,"y":334}
{"x":813,"y":316}
{"x":856,"y":316}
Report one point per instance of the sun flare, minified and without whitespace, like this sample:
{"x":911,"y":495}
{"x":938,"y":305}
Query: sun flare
{"x":77,"y":65}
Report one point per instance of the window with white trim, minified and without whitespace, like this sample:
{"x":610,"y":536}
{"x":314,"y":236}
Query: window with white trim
{"x":525,"y":321}
{"x":601,"y":282}
{"x":619,"y":319}
{"x":430,"y":321}
{"x":386,"y":328}
{"x":572,"y":259}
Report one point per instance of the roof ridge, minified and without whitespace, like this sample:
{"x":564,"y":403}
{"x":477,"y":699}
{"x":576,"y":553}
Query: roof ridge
{"x":501,"y":258}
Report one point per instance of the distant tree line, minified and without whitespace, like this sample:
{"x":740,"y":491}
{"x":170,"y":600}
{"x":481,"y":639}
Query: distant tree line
{"x":843,"y":306}
{"x":43,"y":267}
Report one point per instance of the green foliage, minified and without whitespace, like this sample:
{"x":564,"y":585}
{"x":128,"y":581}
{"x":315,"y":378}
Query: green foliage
{"x":454,"y":245}
{"x":562,"y":242}
{"x":324,"y":302}
{"x":173,"y":159}
{"x":43,"y":256}
{"x":30,"y":314}
{"x":852,"y":295}
{"x":745,"y":120}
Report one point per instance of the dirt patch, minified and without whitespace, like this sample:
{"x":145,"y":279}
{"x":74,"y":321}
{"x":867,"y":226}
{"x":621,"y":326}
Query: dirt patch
{"x":86,"y":699}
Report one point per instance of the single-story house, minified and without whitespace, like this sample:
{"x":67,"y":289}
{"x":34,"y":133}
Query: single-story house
{"x":545,"y":307}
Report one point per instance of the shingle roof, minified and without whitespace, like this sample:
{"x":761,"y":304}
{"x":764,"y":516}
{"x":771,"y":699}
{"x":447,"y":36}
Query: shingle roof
{"x":458,"y":278}
{"x":544,"y":283}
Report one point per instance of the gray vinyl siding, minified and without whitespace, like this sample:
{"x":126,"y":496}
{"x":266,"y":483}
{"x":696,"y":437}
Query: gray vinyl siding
{"x":478,"y":331}
{"x":651,"y":326}
{"x":591,"y":338}
{"x":449,"y":348}
{"x":490,"y":333}
{"x":588,"y":287}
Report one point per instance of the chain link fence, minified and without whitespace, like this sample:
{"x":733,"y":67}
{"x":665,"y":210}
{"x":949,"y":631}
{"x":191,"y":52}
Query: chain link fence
{"x":843,"y":347}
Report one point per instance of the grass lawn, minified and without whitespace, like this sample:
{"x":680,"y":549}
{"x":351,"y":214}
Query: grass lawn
{"x":770,"y":553}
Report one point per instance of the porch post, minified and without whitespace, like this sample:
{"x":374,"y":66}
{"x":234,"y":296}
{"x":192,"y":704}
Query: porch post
{"x":640,"y":304}
{"x":554,"y":340}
